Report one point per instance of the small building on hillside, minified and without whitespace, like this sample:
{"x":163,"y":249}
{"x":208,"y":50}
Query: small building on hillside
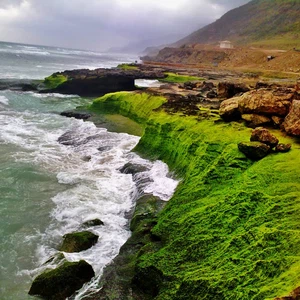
{"x":226,"y":45}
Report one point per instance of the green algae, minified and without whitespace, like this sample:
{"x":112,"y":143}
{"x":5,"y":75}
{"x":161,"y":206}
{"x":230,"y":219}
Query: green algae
{"x":176,"y":78}
{"x":232,"y":229}
{"x":54,"y":81}
{"x":127,"y":67}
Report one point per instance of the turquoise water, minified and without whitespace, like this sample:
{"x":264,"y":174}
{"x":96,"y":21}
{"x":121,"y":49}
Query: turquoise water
{"x":48,"y":189}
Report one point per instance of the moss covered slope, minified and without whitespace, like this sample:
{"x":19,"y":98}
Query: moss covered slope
{"x":231,"y":231}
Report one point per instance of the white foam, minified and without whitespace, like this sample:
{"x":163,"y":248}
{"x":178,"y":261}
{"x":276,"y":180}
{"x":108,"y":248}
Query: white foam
{"x":52,"y":95}
{"x":4,"y":100}
{"x":147,"y":83}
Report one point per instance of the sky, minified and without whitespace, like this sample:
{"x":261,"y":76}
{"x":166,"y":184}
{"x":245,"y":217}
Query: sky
{"x":101,"y":24}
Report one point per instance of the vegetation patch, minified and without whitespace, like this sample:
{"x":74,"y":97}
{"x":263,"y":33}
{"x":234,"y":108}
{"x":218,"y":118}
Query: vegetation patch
{"x":127,"y":67}
{"x":232,"y":229}
{"x":54,"y":80}
{"x":176,"y":78}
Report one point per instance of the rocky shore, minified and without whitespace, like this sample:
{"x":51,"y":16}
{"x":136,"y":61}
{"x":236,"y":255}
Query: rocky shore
{"x":223,"y":218}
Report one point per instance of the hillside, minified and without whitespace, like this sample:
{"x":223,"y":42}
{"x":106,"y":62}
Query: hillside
{"x":272,"y":23}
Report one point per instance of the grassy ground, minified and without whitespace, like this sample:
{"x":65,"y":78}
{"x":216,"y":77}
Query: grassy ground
{"x":127,"y":67}
{"x":232,"y":229}
{"x":175,"y":78}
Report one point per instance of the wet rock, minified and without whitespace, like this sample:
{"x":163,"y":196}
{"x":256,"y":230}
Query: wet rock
{"x":56,"y":259}
{"x":104,"y":148}
{"x":229,"y":110}
{"x":62,"y":282}
{"x":78,"y":241}
{"x":254,"y":150}
{"x":266,"y":102}
{"x":254,"y":120}
{"x":263,"y":135}
{"x":131,"y":168}
{"x":76,"y":114}
{"x":283,"y":148}
{"x":92,"y":223}
{"x":228,"y":90}
{"x":292,"y":121}
{"x":66,"y":138}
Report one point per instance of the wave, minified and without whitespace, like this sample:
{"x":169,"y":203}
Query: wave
{"x":4,"y":100}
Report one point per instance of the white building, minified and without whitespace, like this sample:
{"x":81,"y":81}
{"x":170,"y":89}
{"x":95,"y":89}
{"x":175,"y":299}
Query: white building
{"x":226,"y":45}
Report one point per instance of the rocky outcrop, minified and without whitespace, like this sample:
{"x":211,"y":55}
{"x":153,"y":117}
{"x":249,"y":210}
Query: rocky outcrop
{"x":62,"y":282}
{"x":254,"y":150}
{"x":78,"y":241}
{"x":267,"y":102}
{"x":292,"y":121}
{"x":263,"y":135}
{"x":229,"y":109}
{"x":99,"y":82}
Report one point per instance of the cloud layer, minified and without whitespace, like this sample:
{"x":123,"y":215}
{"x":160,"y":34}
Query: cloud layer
{"x":99,"y":24}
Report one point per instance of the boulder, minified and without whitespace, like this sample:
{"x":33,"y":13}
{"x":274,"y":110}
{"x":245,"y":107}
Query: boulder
{"x":78,"y":241}
{"x":132,"y":168}
{"x":62,"y":282}
{"x":254,"y":150}
{"x":283,"y":148}
{"x":263,"y":135}
{"x":254,"y":120}
{"x":277,"y":121}
{"x":229,"y":110}
{"x":92,"y":223}
{"x":267,"y":102}
{"x":292,"y":121}
{"x":228,"y":90}
{"x":76,"y":114}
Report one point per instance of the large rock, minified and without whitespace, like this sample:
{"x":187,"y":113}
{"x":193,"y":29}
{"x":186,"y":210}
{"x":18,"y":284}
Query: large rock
{"x":283,"y":148}
{"x":229,"y":109}
{"x":263,"y":135}
{"x":292,"y":121}
{"x":228,"y":89}
{"x":267,"y":102}
{"x":254,"y":150}
{"x":62,"y":282}
{"x":78,"y":241}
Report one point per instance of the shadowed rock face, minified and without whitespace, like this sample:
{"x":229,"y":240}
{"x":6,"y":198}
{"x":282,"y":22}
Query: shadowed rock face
{"x":92,"y":83}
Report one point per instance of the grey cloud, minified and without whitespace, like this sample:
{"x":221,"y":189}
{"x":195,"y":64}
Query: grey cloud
{"x":98,"y":24}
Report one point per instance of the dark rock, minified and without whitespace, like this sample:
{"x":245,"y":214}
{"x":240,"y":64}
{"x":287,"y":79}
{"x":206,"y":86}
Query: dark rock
{"x":292,"y":121}
{"x":254,"y":120}
{"x":263,"y":135}
{"x":228,"y":90}
{"x":283,"y":148}
{"x":131,"y":168}
{"x":91,"y":223}
{"x":62,"y":282}
{"x":211,"y":94}
{"x":57,"y":258}
{"x":76,"y":114}
{"x":229,"y":110}
{"x":104,"y":148}
{"x":78,"y":241}
{"x":254,"y":150}
{"x":66,"y":138}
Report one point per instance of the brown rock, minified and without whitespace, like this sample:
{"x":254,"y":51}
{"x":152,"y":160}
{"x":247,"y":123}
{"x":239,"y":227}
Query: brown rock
{"x":254,"y":150}
{"x":292,"y":122}
{"x":267,"y":102}
{"x":255,"y":120}
{"x":283,"y":148}
{"x":228,"y":89}
{"x":263,"y":135}
{"x":229,"y":110}
{"x":277,"y":121}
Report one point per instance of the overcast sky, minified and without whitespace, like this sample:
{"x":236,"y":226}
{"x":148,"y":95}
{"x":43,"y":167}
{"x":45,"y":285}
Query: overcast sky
{"x":100,"y":24}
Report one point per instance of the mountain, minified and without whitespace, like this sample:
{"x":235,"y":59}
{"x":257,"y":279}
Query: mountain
{"x":259,"y":22}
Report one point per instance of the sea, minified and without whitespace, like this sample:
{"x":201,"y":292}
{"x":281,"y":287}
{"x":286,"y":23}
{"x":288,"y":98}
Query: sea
{"x":48,"y":189}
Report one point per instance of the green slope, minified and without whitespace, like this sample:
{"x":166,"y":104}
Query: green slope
{"x":232,"y":229}
{"x":262,"y":22}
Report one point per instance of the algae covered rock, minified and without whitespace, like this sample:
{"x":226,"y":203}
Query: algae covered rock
{"x":254,"y":150}
{"x":254,"y":120}
{"x":62,"y":282}
{"x":78,"y":241}
{"x":263,"y":135}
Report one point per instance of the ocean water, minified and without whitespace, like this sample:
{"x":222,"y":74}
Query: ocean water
{"x":48,"y":189}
